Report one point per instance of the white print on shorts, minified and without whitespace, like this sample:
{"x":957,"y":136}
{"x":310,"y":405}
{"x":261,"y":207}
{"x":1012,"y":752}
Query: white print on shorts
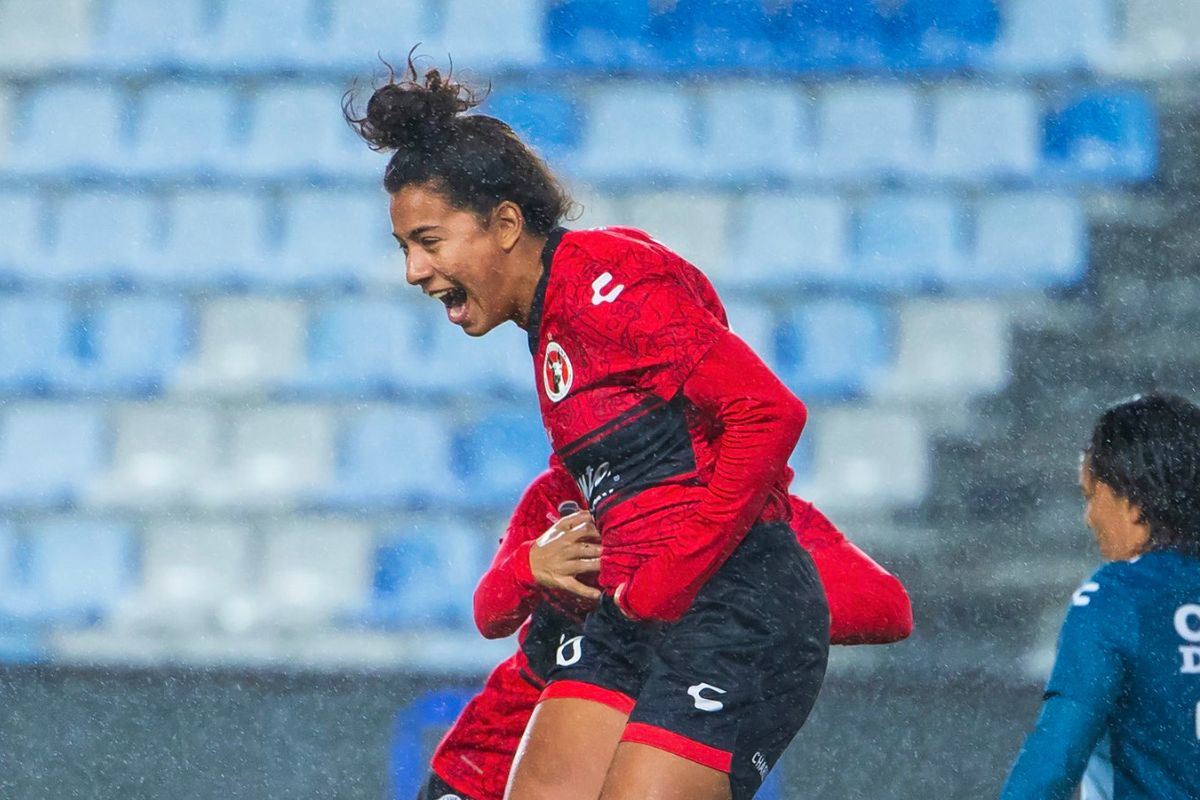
{"x":706,"y":703}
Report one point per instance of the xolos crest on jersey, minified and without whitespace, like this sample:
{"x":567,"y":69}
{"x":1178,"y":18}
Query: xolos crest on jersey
{"x":557,"y":372}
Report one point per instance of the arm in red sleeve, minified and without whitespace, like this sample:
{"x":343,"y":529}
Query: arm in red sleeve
{"x":507,"y":593}
{"x":760,"y":421}
{"x":867,"y":604}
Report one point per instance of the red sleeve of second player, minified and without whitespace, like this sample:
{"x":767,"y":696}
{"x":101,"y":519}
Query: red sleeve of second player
{"x":507,"y":593}
{"x":867,"y":604}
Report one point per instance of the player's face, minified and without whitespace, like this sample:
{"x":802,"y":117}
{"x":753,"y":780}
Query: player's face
{"x":1112,"y":518}
{"x":455,"y":258}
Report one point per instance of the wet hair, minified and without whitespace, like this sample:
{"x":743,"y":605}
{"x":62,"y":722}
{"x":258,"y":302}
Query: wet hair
{"x":1147,"y":450}
{"x":475,"y":161}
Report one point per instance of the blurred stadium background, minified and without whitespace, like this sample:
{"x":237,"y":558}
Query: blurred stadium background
{"x":248,"y":478}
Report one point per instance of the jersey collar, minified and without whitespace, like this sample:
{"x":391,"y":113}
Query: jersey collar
{"x":539,"y":294}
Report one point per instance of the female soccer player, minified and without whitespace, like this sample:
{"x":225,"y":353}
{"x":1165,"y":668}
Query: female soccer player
{"x":538,"y":582}
{"x":1125,"y":690}
{"x":710,"y":642}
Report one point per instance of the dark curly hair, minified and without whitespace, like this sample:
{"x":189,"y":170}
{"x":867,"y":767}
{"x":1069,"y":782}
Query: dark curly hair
{"x":475,"y":160}
{"x":1147,"y":450}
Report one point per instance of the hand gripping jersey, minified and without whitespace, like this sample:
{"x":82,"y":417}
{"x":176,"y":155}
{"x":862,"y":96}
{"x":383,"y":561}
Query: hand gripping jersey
{"x":867,"y":605}
{"x":1125,"y":690}
{"x":675,"y":462}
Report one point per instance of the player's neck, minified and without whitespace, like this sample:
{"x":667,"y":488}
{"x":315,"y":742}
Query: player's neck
{"x":527,"y":273}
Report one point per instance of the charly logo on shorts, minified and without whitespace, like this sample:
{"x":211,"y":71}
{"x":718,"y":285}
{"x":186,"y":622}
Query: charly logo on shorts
{"x":557,"y":372}
{"x":449,"y":797}
{"x":706,"y":703}
{"x":569,"y":652}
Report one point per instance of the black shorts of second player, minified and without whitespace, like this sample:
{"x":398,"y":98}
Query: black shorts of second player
{"x":732,"y":681}
{"x":437,"y":789}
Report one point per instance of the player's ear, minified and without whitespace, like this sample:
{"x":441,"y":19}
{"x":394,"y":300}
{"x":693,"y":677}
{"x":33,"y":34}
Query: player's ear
{"x":508,"y":223}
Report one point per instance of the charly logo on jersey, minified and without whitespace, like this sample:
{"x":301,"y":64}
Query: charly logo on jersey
{"x":599,"y":295}
{"x":557,"y":372}
{"x":1083,"y":595}
{"x":706,"y":703}
{"x":569,"y":652}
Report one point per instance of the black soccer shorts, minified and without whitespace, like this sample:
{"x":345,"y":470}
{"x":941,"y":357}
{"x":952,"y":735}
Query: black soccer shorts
{"x":731,"y":682}
{"x":437,"y":789}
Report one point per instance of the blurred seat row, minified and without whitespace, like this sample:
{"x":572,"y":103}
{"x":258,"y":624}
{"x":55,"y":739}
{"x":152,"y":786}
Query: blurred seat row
{"x":708,"y":132}
{"x":339,"y":239}
{"x":691,"y":35}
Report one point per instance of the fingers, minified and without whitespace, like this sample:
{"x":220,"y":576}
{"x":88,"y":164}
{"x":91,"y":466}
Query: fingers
{"x":580,"y":589}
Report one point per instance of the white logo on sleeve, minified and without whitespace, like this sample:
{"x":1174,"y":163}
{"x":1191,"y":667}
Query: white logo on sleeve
{"x":1083,"y":594}
{"x":598,"y":286}
{"x":1187,"y":625}
{"x":569,"y":651}
{"x":706,"y":703}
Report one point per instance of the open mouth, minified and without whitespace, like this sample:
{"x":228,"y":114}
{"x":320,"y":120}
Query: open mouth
{"x":455,"y":301}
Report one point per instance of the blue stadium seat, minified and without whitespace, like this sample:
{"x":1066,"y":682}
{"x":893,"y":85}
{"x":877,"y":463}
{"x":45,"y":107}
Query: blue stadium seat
{"x":728,"y":34}
{"x":33,"y":474}
{"x":1104,"y":136}
{"x":35,"y":341}
{"x":906,"y":242}
{"x":619,"y":145}
{"x":1032,"y":42}
{"x":1023,"y":241}
{"x":498,"y":363}
{"x":133,"y":33}
{"x":757,"y":326}
{"x":498,"y":456}
{"x":183,"y":128}
{"x":425,"y":575}
{"x":498,"y":33}
{"x":333,"y":237}
{"x":261,"y":34}
{"x":298,"y":129}
{"x":985,"y":133}
{"x":830,"y":36}
{"x":392,"y":456}
{"x":833,"y":348}
{"x":615,"y":35}
{"x":50,"y":139}
{"x":40,"y":35}
{"x":787,"y":240}
{"x":194,"y":256}
{"x":869,"y":130}
{"x":101,"y":237}
{"x":755,"y":131}
{"x":941,"y":34}
{"x":548,"y":119}
{"x":360,"y":29}
{"x":21,"y":245}
{"x":78,"y":570}
{"x":127,"y":345}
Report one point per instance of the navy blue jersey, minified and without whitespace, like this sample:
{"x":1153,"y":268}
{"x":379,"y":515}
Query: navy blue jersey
{"x":1125,"y":690}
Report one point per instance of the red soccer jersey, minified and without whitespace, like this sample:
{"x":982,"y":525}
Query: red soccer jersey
{"x":675,"y":432}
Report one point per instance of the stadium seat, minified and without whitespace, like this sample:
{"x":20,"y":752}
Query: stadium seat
{"x":33,"y":474}
{"x":906,"y":241}
{"x":367,"y":348}
{"x":781,"y":241}
{"x":425,"y":574}
{"x":191,"y":571}
{"x":36,"y":35}
{"x":868,"y":458}
{"x":298,"y":129}
{"x":693,"y":224}
{"x":7,"y":109}
{"x":824,"y":37}
{"x":101,"y":237}
{"x":256,"y":35}
{"x":757,"y":326}
{"x":498,"y":456}
{"x":183,"y":129}
{"x":246,"y":344}
{"x":51,"y":140}
{"x":498,"y":363}
{"x":614,"y":35}
{"x":361,"y":29}
{"x":1033,"y":42}
{"x":948,"y":350}
{"x":21,"y":245}
{"x":1157,"y":37}
{"x":940,"y":34}
{"x":161,"y":455}
{"x":77,"y":571}
{"x":618,"y":145}
{"x":1103,"y":136}
{"x":755,"y":131}
{"x":1025,"y":241}
{"x":498,"y":33}
{"x":193,"y":257}
{"x":126,"y":345}
{"x":833,"y":348}
{"x":392,"y":456}
{"x":336,"y":238}
{"x":11,"y":579}
{"x":314,"y":572}
{"x":869,"y":130}
{"x":547,"y":119}
{"x":278,"y":456}
{"x":985,"y":133}
{"x":35,"y":341}
{"x":725,"y":34}
{"x":137,"y":34}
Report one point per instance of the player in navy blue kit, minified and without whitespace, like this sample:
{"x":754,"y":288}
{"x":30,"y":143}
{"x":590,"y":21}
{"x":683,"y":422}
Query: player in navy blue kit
{"x":1122,"y":707}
